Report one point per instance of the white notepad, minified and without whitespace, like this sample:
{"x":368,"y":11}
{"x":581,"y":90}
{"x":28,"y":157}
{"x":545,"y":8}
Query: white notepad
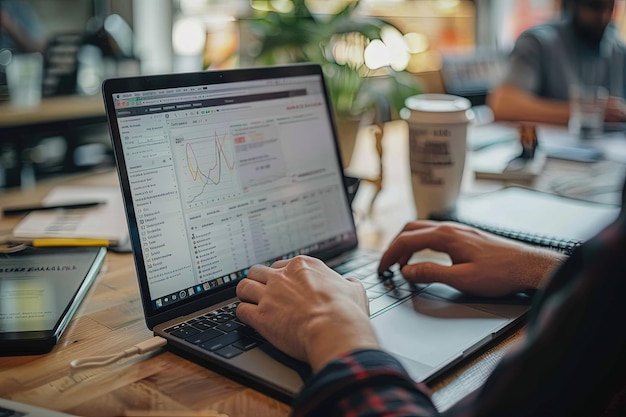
{"x":534,"y":217}
{"x":105,"y":221}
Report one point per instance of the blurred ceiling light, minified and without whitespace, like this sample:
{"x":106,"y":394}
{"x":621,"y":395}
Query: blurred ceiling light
{"x":114,"y":23}
{"x":416,"y":42}
{"x":397,"y":49}
{"x":376,"y":55}
{"x":399,"y":60}
{"x":392,"y":37}
{"x":188,"y":36}
{"x":122,"y":33}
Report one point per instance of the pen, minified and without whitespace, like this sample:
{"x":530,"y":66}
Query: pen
{"x":9,"y":211}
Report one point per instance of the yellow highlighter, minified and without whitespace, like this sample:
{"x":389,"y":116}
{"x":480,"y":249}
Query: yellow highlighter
{"x":59,"y":242}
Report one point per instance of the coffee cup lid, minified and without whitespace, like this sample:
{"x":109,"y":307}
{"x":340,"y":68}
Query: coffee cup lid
{"x":437,"y":108}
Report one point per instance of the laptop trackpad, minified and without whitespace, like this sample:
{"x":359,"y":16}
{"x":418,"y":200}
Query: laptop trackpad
{"x":432,"y":331}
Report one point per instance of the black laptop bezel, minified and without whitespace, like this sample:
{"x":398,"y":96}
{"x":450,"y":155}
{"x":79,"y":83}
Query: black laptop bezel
{"x":113,"y":86}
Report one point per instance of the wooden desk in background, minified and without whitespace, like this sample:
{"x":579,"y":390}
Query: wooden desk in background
{"x":56,"y":109}
{"x":21,"y":129}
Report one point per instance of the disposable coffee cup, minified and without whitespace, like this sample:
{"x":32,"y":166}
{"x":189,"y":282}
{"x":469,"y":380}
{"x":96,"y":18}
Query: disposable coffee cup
{"x":24,"y":75}
{"x":438,"y":126}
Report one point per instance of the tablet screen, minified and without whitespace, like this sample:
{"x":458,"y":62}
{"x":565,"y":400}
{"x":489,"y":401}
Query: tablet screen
{"x":41,"y":288}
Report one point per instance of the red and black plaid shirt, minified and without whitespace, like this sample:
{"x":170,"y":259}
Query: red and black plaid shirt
{"x":571,"y":362}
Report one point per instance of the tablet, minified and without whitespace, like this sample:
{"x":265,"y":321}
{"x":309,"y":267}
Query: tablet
{"x":40,"y":290}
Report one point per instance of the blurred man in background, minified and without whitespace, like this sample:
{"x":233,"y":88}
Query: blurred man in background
{"x":582,"y":48}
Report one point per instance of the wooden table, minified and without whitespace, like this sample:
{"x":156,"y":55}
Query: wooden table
{"x":161,"y":383}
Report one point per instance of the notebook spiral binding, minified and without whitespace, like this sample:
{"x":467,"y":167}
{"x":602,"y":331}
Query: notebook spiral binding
{"x":565,"y":246}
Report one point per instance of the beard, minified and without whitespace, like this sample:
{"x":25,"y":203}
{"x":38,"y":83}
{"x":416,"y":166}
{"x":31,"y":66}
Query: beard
{"x":591,"y":34}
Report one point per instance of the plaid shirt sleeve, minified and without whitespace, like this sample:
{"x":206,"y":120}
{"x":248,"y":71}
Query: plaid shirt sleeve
{"x":363,"y":383}
{"x":572,"y":360}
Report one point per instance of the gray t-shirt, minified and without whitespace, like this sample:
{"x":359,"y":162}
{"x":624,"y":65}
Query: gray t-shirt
{"x":548,"y":58}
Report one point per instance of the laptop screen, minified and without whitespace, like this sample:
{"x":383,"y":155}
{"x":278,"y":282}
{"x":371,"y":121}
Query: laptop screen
{"x":221,"y":173}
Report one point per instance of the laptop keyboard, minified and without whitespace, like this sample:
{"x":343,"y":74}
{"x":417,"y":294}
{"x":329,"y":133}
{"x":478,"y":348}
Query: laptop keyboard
{"x":382,"y":290}
{"x":219,"y":331}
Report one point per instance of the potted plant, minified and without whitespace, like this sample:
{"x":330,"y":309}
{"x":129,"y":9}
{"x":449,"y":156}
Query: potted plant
{"x":339,"y":43}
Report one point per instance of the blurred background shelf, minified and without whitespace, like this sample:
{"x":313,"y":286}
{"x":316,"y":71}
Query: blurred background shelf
{"x":61,"y":135}
{"x":53,"y":109}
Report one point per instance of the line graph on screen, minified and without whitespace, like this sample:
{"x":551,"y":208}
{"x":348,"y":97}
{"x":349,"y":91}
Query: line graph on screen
{"x":208,"y":166}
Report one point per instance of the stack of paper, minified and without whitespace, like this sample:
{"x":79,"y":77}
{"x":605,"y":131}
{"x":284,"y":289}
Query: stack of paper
{"x":105,"y":221}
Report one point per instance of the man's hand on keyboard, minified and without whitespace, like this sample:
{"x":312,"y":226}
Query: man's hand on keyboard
{"x":303,"y":308}
{"x":482,"y":263}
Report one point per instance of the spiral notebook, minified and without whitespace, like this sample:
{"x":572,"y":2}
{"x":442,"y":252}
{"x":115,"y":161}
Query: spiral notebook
{"x":535,"y":217}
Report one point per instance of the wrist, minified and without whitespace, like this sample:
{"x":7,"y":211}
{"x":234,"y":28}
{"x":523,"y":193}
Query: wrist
{"x":541,"y":264}
{"x":327,"y":338}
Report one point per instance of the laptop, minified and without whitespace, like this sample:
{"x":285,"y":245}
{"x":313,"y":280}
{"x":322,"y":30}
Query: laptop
{"x":221,"y":170}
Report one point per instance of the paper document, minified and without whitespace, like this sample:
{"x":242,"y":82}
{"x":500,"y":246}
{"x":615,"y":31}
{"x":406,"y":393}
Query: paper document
{"x":104,"y":221}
